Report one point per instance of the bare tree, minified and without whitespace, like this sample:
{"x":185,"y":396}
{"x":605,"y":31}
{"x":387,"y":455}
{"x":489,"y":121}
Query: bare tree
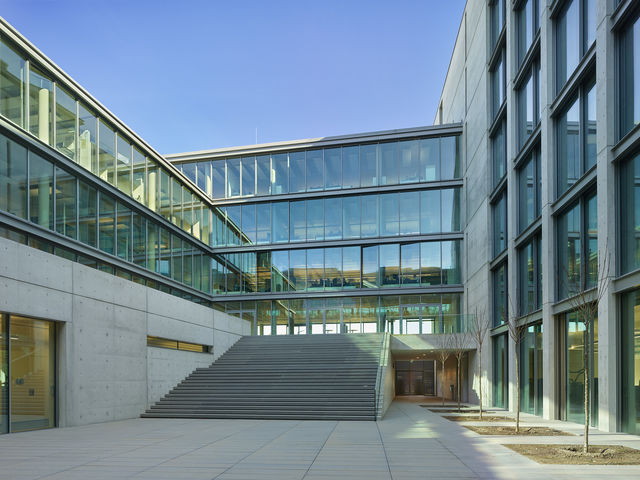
{"x":516,"y":333}
{"x":478,"y":329}
{"x":459,"y":348}
{"x":443,"y":344}
{"x":585,"y":302}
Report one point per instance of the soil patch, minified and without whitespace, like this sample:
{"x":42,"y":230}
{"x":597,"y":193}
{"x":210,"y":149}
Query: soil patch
{"x":451,"y":410}
{"x":509,"y":430}
{"x":476,"y":418}
{"x":572,"y":454}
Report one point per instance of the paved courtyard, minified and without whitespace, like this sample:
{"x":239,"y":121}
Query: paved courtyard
{"x":410,"y":443}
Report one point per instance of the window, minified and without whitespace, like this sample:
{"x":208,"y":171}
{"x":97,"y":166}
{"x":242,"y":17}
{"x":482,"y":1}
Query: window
{"x":389,"y":215}
{"x":528,"y":22}
{"x":41,"y":192}
{"x":332,"y":219}
{"x":13,"y":177}
{"x":280,"y":222}
{"x":499,"y":153}
{"x":12,"y":85}
{"x":107,"y":153}
{"x":409,"y":214}
{"x":575,"y":32}
{"x":332,"y":168}
{"x":351,"y":267}
{"x":500,"y":224}
{"x":500,"y":299}
{"x":389,"y":270}
{"x":315,"y":220}
{"x":429,"y":159}
{"x":576,"y":138}
{"x":630,"y":362}
{"x":248,"y":176}
{"x":296,"y":172}
{"x":630,"y":214}
{"x":529,"y":191}
{"x":629,"y":76}
{"x":389,"y":163}
{"x":219,"y":180}
{"x":233,"y":177}
{"x":528,"y":105}
{"x":450,"y":167}
{"x":263,"y":221}
{"x":351,"y":217}
{"x":66,"y":201}
{"x":497,"y":16}
{"x":410,"y":264}
{"x":369,"y":165}
{"x":123,"y":165}
{"x":315,"y":170}
{"x":65,"y":123}
{"x":279,"y":173}
{"x":500,"y":371}
{"x":41,"y":106}
{"x":430,"y":263}
{"x":369,"y":204}
{"x":531,"y":372}
{"x":577,"y":233}
{"x":350,"y":167}
{"x":408,"y":161}
{"x":370,"y":277}
{"x":498,"y":84}
{"x":249,"y":224}
{"x":430,"y":211}
{"x":530,"y":276}
{"x":280,"y":271}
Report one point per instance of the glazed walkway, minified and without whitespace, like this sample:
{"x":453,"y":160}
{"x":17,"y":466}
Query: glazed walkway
{"x":410,"y":443}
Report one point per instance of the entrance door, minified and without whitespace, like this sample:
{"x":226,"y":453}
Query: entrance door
{"x":415,"y":377}
{"x":324,"y":318}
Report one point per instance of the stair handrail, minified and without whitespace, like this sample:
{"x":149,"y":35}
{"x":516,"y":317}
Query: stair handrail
{"x":382,"y":361}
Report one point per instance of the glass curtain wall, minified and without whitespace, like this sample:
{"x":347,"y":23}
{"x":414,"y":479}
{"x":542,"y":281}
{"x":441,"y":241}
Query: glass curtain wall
{"x":630,"y":362}
{"x":531,"y":373}
{"x":27,"y":374}
{"x":500,"y":372}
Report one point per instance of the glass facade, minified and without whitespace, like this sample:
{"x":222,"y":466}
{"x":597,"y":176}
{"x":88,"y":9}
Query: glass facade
{"x":528,"y":96}
{"x":531,"y":372}
{"x":575,"y":336}
{"x":335,"y":168}
{"x":629,"y":76}
{"x":27,"y":374}
{"x":630,"y":362}
{"x":629,"y":217}
{"x":527,"y":25}
{"x":530,"y":276}
{"x":500,"y":371}
{"x":577,"y":231}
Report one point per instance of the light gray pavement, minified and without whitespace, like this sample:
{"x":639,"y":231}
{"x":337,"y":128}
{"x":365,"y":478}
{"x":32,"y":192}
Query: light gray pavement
{"x":410,"y":443}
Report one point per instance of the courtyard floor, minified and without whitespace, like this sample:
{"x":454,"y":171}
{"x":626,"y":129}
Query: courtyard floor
{"x":410,"y":443}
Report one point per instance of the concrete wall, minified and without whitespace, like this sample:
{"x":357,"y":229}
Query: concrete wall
{"x":105,"y":369}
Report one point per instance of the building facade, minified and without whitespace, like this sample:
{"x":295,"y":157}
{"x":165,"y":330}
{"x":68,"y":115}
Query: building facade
{"x":547,"y":95}
{"x":523,"y":196}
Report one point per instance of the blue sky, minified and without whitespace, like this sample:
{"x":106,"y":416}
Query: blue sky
{"x":206,"y":74}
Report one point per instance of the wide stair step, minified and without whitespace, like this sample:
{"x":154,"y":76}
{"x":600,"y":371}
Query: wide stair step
{"x":296,"y":377}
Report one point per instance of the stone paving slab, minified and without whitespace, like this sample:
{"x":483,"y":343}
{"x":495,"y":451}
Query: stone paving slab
{"x":409,"y":443}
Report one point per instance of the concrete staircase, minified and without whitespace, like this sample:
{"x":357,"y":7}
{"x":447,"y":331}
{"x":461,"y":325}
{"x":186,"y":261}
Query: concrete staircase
{"x":312,"y":377}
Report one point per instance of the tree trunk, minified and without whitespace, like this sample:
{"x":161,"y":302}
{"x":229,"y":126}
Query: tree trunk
{"x":517,"y":393}
{"x":458,"y":380}
{"x":442,"y":383}
{"x":587,"y":340}
{"x":480,"y":379}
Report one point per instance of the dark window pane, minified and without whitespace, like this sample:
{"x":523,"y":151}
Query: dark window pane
{"x":13,"y":177}
{"x":568,"y":135}
{"x":88,"y":214}
{"x":107,"y":224}
{"x":123,"y":232}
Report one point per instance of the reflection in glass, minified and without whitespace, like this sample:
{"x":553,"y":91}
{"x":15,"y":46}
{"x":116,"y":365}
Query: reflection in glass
{"x":500,"y":372}
{"x":389,"y":214}
{"x":280,"y":271}
{"x":123,"y":232}
{"x":4,"y":370}
{"x":350,"y":167}
{"x":350,"y":217}
{"x":499,"y":295}
{"x":429,"y":159}
{"x":107,"y":153}
{"x":451,"y":274}
{"x":66,"y":198}
{"x":450,"y":202}
{"x":233,"y":177}
{"x":369,"y":216}
{"x":430,"y":211}
{"x":410,"y":258}
{"x":315,"y":220}
{"x":569,"y":252}
{"x":567,"y":42}
{"x":315,"y":170}
{"x":41,"y":106}
{"x":219,"y":182}
{"x":332,"y":168}
{"x":630,"y":362}
{"x":368,"y":165}
{"x":12,"y":80}
{"x":297,"y":270}
{"x":263,"y":175}
{"x":297,"y":172}
{"x":248,"y":176}
{"x":568,"y":135}
{"x":408,"y":161}
{"x":263,"y":221}
{"x":249,"y":224}
{"x":279,"y":173}
{"x":389,"y":265}
{"x":333,"y":268}
{"x":388,"y":163}
{"x":370,"y":277}
{"x":351,"y":267}
{"x":449,"y":158}
{"x":315,"y":269}
{"x":430,"y":263}
{"x":41,"y":191}
{"x":280,"y":222}
{"x":88,"y":210}
{"x":298,"y":221}
{"x":332,"y":219}
{"x":409,"y":213}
